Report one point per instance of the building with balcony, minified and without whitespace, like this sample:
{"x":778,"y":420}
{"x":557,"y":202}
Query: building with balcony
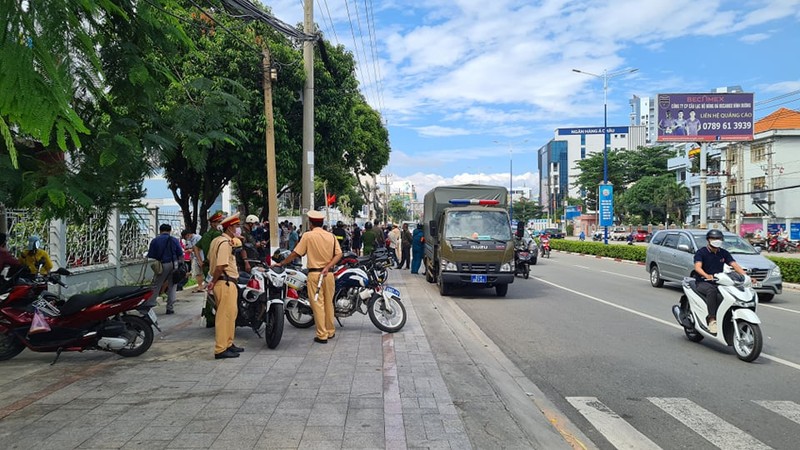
{"x":643,"y":113}
{"x":751,"y":186}
{"x":764,"y":179}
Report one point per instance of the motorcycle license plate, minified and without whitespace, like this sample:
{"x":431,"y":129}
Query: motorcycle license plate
{"x":152,"y":315}
{"x":392,"y":291}
{"x":478,"y":278}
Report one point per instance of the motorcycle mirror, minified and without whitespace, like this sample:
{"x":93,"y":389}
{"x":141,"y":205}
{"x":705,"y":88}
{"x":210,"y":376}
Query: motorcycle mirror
{"x":63,"y":271}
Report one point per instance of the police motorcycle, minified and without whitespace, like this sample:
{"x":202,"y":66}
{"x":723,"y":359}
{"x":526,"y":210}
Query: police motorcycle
{"x":359,"y":288}
{"x":739,"y":326}
{"x":260,"y":301}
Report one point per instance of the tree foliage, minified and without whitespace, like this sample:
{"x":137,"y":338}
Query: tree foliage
{"x":624,"y":168}
{"x":397,"y":210}
{"x":84,"y":84}
{"x":525,"y":210}
{"x":129,"y":87}
{"x":652,"y":199}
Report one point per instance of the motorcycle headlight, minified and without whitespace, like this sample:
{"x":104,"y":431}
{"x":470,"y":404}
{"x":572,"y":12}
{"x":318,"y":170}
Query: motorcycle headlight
{"x":507,"y":267}
{"x":448,"y":266}
{"x":775,"y":272}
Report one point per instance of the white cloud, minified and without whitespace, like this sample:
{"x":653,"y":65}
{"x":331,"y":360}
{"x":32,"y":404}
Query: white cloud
{"x":424,"y":182}
{"x":780,"y":87}
{"x":439,"y":131}
{"x":753,"y":38}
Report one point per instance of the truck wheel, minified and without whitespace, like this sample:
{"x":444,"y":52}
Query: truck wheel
{"x":444,"y":288}
{"x":502,"y":290}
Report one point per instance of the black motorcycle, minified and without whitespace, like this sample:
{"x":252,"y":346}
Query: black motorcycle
{"x":523,"y":258}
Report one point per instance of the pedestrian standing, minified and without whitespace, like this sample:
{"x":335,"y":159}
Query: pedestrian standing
{"x":191,"y":240}
{"x":417,"y":248}
{"x":293,"y":237}
{"x":222,"y":266}
{"x":323,"y":252}
{"x":357,"y":239}
{"x":371,"y":237}
{"x":166,"y":249}
{"x":214,"y":230}
{"x":405,"y":247}
{"x":394,"y":237}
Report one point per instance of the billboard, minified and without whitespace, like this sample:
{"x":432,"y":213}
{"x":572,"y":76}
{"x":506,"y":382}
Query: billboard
{"x":606,"y":205}
{"x":579,"y":131}
{"x":704,"y":117}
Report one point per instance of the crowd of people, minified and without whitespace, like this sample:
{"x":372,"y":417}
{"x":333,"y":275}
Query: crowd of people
{"x":215,"y":258}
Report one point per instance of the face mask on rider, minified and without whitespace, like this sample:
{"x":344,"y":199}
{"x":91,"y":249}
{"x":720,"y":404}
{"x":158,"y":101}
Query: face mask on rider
{"x":716,"y":243}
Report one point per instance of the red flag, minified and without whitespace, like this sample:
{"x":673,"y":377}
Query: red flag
{"x":331,"y":199}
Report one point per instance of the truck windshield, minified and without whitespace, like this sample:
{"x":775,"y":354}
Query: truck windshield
{"x":478,"y":225}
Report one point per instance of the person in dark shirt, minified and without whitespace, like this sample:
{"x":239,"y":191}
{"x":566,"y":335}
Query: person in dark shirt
{"x":167,"y":249}
{"x":708,"y":261}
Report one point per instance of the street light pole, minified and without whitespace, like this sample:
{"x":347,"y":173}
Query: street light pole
{"x":605,"y":77}
{"x":511,"y":175}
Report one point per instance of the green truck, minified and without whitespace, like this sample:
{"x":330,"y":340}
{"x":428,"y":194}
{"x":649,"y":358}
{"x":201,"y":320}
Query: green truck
{"x":468,"y":238}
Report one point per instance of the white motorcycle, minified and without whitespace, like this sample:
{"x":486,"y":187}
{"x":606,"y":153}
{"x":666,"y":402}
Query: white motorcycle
{"x":738,"y":324}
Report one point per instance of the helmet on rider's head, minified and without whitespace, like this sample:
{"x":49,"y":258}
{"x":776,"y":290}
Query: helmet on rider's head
{"x":339,"y":224}
{"x":714,"y":234}
{"x":368,"y":225}
{"x":34,"y":243}
{"x":251,"y":219}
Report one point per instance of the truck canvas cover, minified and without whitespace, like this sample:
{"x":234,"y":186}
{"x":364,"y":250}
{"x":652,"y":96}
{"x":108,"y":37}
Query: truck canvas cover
{"x":437,"y":199}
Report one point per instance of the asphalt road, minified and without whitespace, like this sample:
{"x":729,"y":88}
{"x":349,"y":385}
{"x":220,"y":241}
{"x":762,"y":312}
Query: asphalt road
{"x":602,"y":344}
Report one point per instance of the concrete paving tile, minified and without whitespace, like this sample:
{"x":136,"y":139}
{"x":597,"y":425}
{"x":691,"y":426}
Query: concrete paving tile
{"x":249,"y":420}
{"x":206,"y":426}
{"x":323,"y":433}
{"x":210,"y":412}
{"x":364,"y":420}
{"x":331,"y":398}
{"x":366,"y":402}
{"x":145,"y":445}
{"x":157,"y":433}
{"x":319,"y":445}
{"x":193,"y":440}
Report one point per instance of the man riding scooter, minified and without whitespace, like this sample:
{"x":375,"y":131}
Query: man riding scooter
{"x":708,"y":261}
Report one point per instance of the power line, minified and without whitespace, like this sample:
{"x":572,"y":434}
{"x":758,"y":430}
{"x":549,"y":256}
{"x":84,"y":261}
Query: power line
{"x":374,"y":44}
{"x":330,"y":19}
{"x":364,"y":50}
{"x":778,"y":97}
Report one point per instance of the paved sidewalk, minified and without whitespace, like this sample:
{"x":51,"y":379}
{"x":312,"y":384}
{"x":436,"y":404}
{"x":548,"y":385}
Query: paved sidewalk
{"x":364,"y":389}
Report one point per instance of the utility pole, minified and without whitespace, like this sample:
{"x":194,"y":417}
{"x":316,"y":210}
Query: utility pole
{"x":307,"y":196}
{"x":703,"y":176}
{"x":272,"y":180}
{"x":386,"y":199}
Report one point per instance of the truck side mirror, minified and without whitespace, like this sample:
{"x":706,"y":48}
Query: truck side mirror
{"x":433,"y":227}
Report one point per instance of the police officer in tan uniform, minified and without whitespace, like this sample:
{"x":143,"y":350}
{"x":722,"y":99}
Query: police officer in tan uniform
{"x":323,"y":253}
{"x":222,"y":266}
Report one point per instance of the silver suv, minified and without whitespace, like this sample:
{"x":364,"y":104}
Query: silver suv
{"x":670,"y":257}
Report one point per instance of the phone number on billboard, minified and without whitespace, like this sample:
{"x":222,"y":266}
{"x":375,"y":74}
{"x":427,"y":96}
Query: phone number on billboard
{"x":728,"y":125}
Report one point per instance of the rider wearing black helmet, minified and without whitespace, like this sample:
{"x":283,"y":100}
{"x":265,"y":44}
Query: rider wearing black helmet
{"x":708,"y":261}
{"x":369,"y":238}
{"x":341,"y":236}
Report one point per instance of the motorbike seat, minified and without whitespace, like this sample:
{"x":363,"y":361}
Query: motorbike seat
{"x":244,"y":277}
{"x":79,"y":302}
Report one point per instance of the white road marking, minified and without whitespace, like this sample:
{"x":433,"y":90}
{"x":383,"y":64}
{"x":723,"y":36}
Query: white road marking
{"x":708,"y":425}
{"x":618,"y":432}
{"x":583,"y":267}
{"x":625,"y":276}
{"x":653,"y":318}
{"x":790,"y":410}
{"x":778,"y":307}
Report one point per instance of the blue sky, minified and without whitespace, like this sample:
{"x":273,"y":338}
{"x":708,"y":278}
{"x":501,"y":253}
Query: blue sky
{"x":465,"y":86}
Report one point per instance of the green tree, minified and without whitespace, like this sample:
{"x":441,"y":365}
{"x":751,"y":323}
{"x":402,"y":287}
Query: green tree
{"x":525,"y":210}
{"x":652,"y":198}
{"x":397,"y":210}
{"x":83,"y":82}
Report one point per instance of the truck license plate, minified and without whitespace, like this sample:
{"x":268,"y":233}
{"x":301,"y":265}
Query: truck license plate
{"x":478,"y":278}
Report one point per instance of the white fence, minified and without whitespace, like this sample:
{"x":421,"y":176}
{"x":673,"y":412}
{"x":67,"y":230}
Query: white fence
{"x":102,"y":252}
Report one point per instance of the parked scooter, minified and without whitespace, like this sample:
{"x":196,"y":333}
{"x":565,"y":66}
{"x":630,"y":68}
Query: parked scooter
{"x":738,"y":323}
{"x":107,"y":320}
{"x":260,"y":303}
